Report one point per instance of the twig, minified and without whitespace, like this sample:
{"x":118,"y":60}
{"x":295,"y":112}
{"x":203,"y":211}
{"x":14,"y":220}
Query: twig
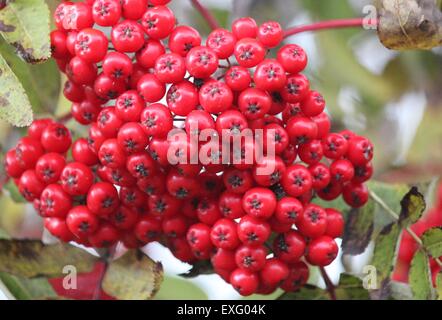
{"x":322,"y":25}
{"x":65,"y":118}
{"x":330,"y":286}
{"x":390,"y":211}
{"x":207,"y":15}
{"x":99,"y":286}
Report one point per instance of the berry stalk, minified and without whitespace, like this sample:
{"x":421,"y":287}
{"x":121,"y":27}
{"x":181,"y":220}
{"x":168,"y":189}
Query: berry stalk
{"x":323,"y":25}
{"x":328,"y":283}
{"x":207,"y":15}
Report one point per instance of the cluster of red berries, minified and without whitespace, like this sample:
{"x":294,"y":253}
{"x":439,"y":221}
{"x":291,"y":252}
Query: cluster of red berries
{"x":256,"y":229}
{"x":408,"y":246}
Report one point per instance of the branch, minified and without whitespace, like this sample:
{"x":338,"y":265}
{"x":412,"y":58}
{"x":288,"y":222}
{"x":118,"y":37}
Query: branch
{"x":390,"y":211}
{"x":323,"y":25}
{"x":330,"y":286}
{"x":207,"y":15}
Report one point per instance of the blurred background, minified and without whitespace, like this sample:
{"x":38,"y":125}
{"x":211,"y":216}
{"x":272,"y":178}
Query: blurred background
{"x":394,"y":98}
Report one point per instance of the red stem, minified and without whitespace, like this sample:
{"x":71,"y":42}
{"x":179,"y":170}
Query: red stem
{"x":328,"y":24}
{"x":207,"y":15}
{"x":330,"y":286}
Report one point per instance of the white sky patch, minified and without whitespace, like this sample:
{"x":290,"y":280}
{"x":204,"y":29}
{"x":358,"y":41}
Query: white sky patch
{"x":405,"y":115}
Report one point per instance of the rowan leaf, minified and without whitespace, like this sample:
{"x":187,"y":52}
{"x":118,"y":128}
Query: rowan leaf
{"x":432,"y":240}
{"x":412,"y":207}
{"x":420,"y":277}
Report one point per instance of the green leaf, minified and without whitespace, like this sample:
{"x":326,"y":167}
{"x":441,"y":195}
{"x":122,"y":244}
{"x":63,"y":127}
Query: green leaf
{"x":134,"y":276}
{"x":384,"y":256}
{"x":43,"y":92}
{"x":28,"y":289}
{"x":358,"y":229}
{"x":420,"y":277}
{"x":432,"y":240}
{"x":412,"y":207}
{"x":198,"y":268}
{"x":400,"y":291}
{"x":14,"y":103}
{"x":31,"y":258}
{"x":350,"y":288}
{"x":4,"y":234}
{"x":25,"y":25}
{"x":439,"y":286}
{"x":174,"y":288}
{"x":308,"y":292}
{"x":13,"y":192}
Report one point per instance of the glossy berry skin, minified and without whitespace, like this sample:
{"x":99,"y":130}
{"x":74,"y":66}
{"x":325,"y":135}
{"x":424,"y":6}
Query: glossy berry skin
{"x":363,"y":173}
{"x":208,"y":211}
{"x":183,"y":39}
{"x":292,"y":57}
{"x":224,"y":259}
{"x":124,"y":218}
{"x":102,"y":199}
{"x":355,"y":194}
{"x":245,"y":28}
{"x":76,"y":178}
{"x":253,"y":231}
{"x":128,"y":106}
{"x":249,"y":52}
{"x":298,"y":276}
{"x":312,"y":222}
{"x":335,"y":223}
{"x":230,"y":205}
{"x":274,"y":272}
{"x":244,"y":281}
{"x":133,"y":9}
{"x":297,"y":180}
{"x":360,"y":151}
{"x":288,"y":210}
{"x":13,"y":167}
{"x":198,"y":237}
{"x":170,"y":68}
{"x":224,"y":234}
{"x":28,"y":151}
{"x":323,"y":122}
{"x":311,"y":152}
{"x":81,"y":222}
{"x":30,"y":186}
{"x":150,"y":88}
{"x":105,"y":236}
{"x":222,"y":42}
{"x":251,"y":258}
{"x":81,"y":72}
{"x":163,"y":205}
{"x":127,"y":36}
{"x":175,"y":226}
{"x":148,"y":229}
{"x":91,"y":45}
{"x":269,"y":171}
{"x":201,"y":62}
{"x":108,"y":88}
{"x":313,"y":104}
{"x":296,"y":88}
{"x":37,"y":127}
{"x":334,"y":146}
{"x":56,"y":138}
{"x":215,"y":97}
{"x":269,"y":75}
{"x":151,"y":51}
{"x":58,"y":228}
{"x":156,"y":120}
{"x":58,"y":45}
{"x":198,"y":120}
{"x":82,"y":152}
{"x":158,"y":22}
{"x":111,"y":155}
{"x":117,"y":65}
{"x":238,"y":181}
{"x":270,"y":34}
{"x":259,"y":203}
{"x":182,"y":98}
{"x":49,"y":167}
{"x":321,"y":176}
{"x":254,"y":103}
{"x":85,"y":112}
{"x":289,"y":247}
{"x":301,"y":130}
{"x":322,"y":251}
{"x":106,"y":13}
{"x":132,"y":138}
{"x":238,"y":78}
{"x":342,"y":171}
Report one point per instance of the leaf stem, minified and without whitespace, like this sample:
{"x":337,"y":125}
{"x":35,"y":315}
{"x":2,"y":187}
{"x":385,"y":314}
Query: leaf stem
{"x":327,"y":24}
{"x":328,"y":283}
{"x":207,"y":15}
{"x":415,"y":237}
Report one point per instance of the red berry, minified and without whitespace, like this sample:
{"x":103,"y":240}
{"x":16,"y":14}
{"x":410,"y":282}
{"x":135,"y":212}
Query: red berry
{"x":81,"y":222}
{"x":150,"y":88}
{"x":312,"y":222}
{"x":49,"y":167}
{"x":222,"y":42}
{"x":117,"y":65}
{"x":56,"y":138}
{"x":111,"y":154}
{"x":238,"y":78}
{"x":334,"y":146}
{"x":335,"y":223}
{"x":249,"y":52}
{"x":158,"y":22}
{"x":297,"y":180}
{"x":322,"y":251}
{"x":149,"y":54}
{"x":270,"y":34}
{"x":102,"y":199}
{"x":360,"y":151}
{"x":182,"y":98}
{"x":201,"y":62}
{"x":298,"y":276}
{"x":30,"y":186}
{"x":288,"y":210}
{"x":215,"y":97}
{"x":124,"y":218}
{"x":105,"y":236}
{"x":76,"y":178}
{"x":289,"y":247}
{"x":269,"y":75}
{"x":128,"y":106}
{"x":259,"y":202}
{"x":254,"y":103}
{"x":296,"y":88}
{"x":244,"y":281}
{"x":355,"y":194}
{"x":274,"y":272}
{"x":301,"y":130}
{"x":251,"y":258}
{"x":82,"y":152}
{"x":293,"y":58}
{"x":132,"y":138}
{"x":91,"y":45}
{"x":224,"y":234}
{"x":170,"y":68}
{"x":198,"y":237}
{"x":106,"y":13}
{"x":183,"y":39}
{"x":148,"y":229}
{"x":245,"y":28}
{"x":253,"y":231}
{"x":127,"y":36}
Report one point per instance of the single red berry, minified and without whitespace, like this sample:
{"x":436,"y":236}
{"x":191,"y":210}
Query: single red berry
{"x":311,"y":152}
{"x":288,"y":210}
{"x":335,"y":223}
{"x":320,"y":176}
{"x":224,"y":259}
{"x":270,"y":34}
{"x":133,"y":9}
{"x":244,"y":281}
{"x":158,"y":22}
{"x":237,"y":181}
{"x":289,"y":247}
{"x":360,"y":151}
{"x":30,"y":186}
{"x":323,"y":122}
{"x":259,"y":202}
{"x":175,"y":227}
{"x":182,"y":98}
{"x":254,"y":103}
{"x":85,"y":112}
{"x":132,"y":196}
{"x":95,"y":137}
{"x":364,"y":173}
{"x":331,"y":191}
{"x":73,"y":92}
{"x":58,"y":228}
{"x":269,"y":75}
{"x":208,"y":211}
{"x":251,"y":258}
{"x":49,"y":167}
{"x":297,"y":278}
{"x":81,"y":152}
{"x":269,"y":171}
{"x":201,"y":62}
{"x":132,"y":138}
{"x":297,"y":180}
{"x":148,"y":229}
{"x":106,"y":13}
{"x":149,"y":54}
{"x":215,"y":97}
{"x":355,"y":194}
{"x":54,"y":202}
{"x":127,"y":36}
{"x":105,"y":236}
{"x":293,"y":58}
{"x":91,"y":45}
{"x":224,"y":234}
{"x":111,"y":154}
{"x":249,"y":52}
{"x":334,"y":146}
{"x":141,"y":165}
{"x":181,"y":249}
{"x":296,"y":88}
{"x":124,"y":218}
{"x":183,"y":39}
{"x":253,"y":231}
{"x":222,"y":42}
{"x":312,"y":222}
{"x":37,"y":127}
{"x":117,"y":65}
{"x":76,"y":178}
{"x":102,"y":199}
{"x":322,"y":251}
{"x":313,"y":104}
{"x":81,"y":222}
{"x":301,"y":130}
{"x":58,"y":45}
{"x":274,"y":272}
{"x":13,"y":166}
{"x":245,"y":28}
{"x":28,"y":151}
{"x":342,"y":171}
{"x":150,"y":88}
{"x":170,"y":68}
{"x":230,"y":205}
{"x":164,"y":205}
{"x":128,"y":106}
{"x":108,"y":122}
{"x":238,"y":78}
{"x":198,"y":237}
{"x":56,"y":138}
